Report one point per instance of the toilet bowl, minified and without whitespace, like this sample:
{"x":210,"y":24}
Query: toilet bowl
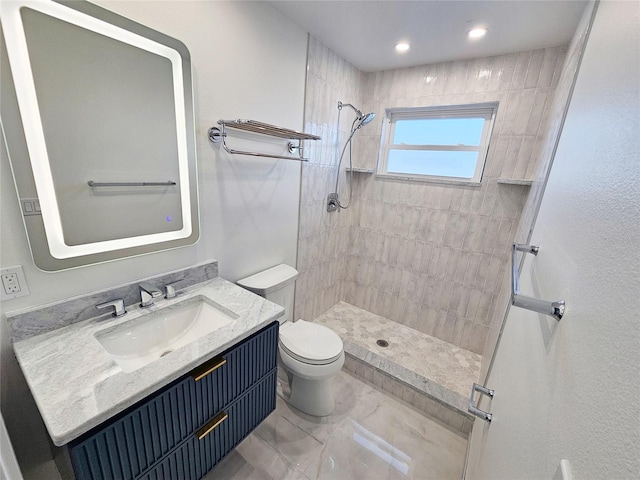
{"x":310,"y":354}
{"x":313,"y":354}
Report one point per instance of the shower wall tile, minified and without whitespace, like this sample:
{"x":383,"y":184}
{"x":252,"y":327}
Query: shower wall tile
{"x":426,"y":255}
{"x":324,"y":237}
{"x":440,"y":252}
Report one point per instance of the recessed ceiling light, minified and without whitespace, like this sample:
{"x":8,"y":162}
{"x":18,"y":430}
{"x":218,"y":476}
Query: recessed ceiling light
{"x":477,"y":33}
{"x":402,"y":47}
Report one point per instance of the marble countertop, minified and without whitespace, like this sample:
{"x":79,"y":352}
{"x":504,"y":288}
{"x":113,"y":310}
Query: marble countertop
{"x":77,"y":385}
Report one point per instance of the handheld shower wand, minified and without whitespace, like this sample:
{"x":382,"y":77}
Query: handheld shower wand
{"x":333,"y":201}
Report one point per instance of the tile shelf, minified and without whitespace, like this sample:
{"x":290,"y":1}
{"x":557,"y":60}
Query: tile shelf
{"x":515,"y":181}
{"x":360,"y":170}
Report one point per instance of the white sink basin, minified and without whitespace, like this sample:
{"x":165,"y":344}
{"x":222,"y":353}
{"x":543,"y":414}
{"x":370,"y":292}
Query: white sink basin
{"x":143,"y":340}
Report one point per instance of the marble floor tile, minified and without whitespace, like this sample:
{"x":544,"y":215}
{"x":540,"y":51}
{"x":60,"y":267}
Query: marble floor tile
{"x":294,"y":444}
{"x":370,"y":436}
{"x":253,"y":459}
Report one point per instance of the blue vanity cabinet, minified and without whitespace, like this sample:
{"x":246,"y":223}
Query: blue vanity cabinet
{"x":184,"y":429}
{"x":196,"y":457}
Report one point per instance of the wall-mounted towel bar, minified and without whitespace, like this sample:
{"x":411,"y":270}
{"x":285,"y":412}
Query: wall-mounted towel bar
{"x":554,"y":309}
{"x":217,"y":135}
{"x":91,"y":183}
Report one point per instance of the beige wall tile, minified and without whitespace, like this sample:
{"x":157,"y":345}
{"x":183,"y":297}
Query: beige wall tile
{"x":419,"y":253}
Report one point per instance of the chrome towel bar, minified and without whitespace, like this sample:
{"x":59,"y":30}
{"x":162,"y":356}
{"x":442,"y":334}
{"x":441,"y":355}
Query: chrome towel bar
{"x":91,"y":183}
{"x":475,"y":410}
{"x":554,"y":309}
{"x":217,"y":135}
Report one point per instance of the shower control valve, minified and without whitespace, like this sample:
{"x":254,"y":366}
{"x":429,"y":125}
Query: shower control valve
{"x":332,"y":202}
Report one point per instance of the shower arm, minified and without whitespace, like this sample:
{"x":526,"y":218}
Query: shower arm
{"x":358,"y":112}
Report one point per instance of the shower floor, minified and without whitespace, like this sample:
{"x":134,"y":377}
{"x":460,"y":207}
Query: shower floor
{"x":419,"y":364}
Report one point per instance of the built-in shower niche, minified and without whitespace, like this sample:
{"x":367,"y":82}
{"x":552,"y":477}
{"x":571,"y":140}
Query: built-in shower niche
{"x":98,"y":117}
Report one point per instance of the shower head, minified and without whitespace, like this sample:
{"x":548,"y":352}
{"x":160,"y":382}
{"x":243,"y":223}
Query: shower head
{"x":365,"y":119}
{"x":361,"y":119}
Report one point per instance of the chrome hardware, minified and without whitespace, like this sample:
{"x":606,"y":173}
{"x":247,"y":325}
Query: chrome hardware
{"x":332,"y":202}
{"x":147,"y":293}
{"x":554,"y":309}
{"x":292,"y":146}
{"x":217,"y":135}
{"x":170,"y":290}
{"x":472,"y":409}
{"x":168,"y":183}
{"x":118,"y":307}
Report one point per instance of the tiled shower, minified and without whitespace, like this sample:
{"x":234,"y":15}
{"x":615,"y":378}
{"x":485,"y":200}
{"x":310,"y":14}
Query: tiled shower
{"x":430,"y":256}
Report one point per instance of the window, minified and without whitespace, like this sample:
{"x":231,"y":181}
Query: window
{"x":438,"y":143}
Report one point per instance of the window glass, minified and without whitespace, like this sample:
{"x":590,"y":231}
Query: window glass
{"x":433,"y":162}
{"x":434,"y":143}
{"x":439,"y":131}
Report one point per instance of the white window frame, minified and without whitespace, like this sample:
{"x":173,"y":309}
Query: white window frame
{"x":478,"y":110}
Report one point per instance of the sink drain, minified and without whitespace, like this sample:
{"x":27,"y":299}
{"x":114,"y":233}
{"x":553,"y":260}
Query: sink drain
{"x":382,"y":343}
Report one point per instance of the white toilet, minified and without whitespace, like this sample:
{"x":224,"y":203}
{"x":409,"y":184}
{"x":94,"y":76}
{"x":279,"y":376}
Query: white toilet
{"x":311,"y":354}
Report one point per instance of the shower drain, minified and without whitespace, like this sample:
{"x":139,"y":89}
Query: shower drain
{"x":382,"y":343}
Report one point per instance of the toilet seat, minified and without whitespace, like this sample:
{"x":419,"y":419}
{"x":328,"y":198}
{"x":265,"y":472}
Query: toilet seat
{"x":310,"y":343}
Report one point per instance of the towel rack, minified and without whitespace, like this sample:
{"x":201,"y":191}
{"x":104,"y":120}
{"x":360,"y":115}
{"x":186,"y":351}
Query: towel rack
{"x":217,"y":135}
{"x":169,"y":183}
{"x":554,"y":309}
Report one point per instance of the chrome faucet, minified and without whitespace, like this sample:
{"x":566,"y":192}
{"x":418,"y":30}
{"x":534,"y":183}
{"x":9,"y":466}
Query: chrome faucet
{"x":147,"y":293}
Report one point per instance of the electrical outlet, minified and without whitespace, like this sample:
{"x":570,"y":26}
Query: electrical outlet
{"x":10,"y":283}
{"x":14,"y":284}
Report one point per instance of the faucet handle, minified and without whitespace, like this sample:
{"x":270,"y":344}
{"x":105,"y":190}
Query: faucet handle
{"x":170,"y":289}
{"x":118,"y":307}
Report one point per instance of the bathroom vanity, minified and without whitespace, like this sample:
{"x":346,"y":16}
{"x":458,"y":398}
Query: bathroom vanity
{"x":187,"y":427}
{"x":175,"y":413}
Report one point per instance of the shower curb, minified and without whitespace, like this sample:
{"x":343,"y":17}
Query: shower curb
{"x":452,"y":417}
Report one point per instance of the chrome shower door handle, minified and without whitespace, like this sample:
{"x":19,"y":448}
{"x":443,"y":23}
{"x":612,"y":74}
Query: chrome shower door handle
{"x":472,"y":409}
{"x":553,"y":309}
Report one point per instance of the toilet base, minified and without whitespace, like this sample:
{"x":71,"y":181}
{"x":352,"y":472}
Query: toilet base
{"x":310,"y":385}
{"x":313,"y":397}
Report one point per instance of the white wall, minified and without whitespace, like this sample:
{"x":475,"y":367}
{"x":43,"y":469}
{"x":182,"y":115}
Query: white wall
{"x":249,"y":61}
{"x":570,"y":390}
{"x":557,"y":110}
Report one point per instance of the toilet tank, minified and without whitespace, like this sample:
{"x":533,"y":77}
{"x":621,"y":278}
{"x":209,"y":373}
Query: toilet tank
{"x":276,"y":284}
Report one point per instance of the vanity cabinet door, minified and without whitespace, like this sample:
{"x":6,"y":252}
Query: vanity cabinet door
{"x":193,"y":459}
{"x":244,"y":365}
{"x":134,"y":442}
{"x":146,"y":433}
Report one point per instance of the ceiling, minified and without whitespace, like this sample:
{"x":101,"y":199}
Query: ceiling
{"x":365,"y":32}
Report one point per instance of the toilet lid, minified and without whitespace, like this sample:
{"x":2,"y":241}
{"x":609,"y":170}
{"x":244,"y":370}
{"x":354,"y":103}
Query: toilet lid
{"x":310,"y":343}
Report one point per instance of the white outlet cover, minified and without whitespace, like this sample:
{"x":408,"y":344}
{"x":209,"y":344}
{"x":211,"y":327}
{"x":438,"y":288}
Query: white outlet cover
{"x":22,"y":281}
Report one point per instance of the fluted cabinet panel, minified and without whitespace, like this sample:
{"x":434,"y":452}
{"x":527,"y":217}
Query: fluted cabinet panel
{"x":195,"y":458}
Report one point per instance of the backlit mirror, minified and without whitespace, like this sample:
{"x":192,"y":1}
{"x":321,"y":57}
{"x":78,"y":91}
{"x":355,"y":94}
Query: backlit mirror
{"x":97,"y":113}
